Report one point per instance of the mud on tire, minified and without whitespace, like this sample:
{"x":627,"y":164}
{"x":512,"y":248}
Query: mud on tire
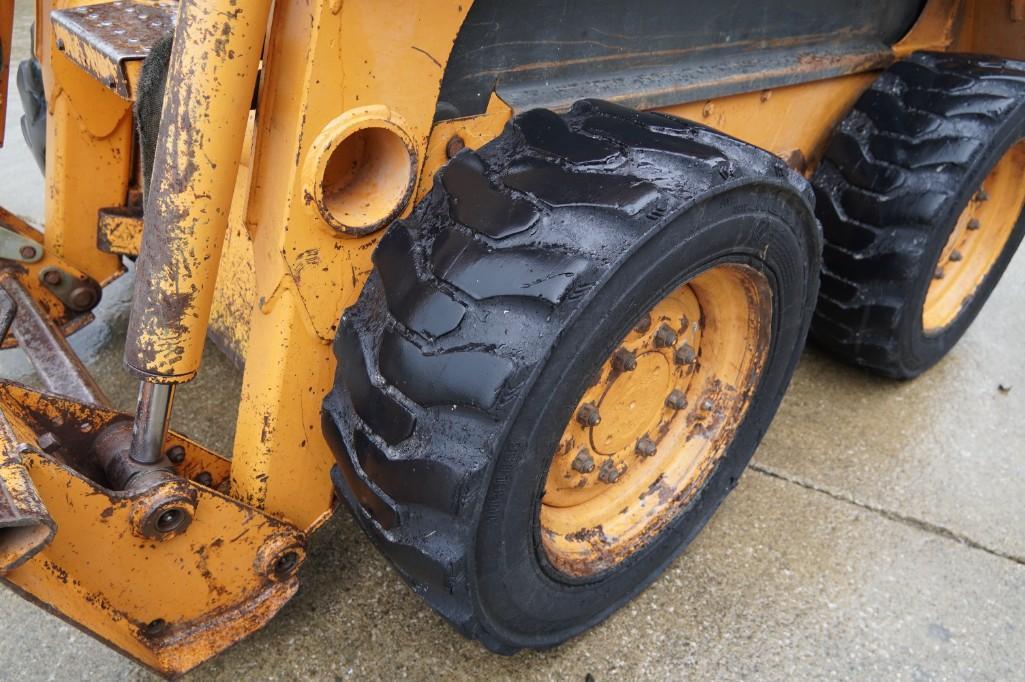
{"x":486,"y":317}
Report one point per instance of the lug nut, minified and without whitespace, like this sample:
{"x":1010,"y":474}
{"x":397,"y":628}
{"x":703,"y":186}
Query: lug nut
{"x":665,"y":337}
{"x":955,"y":256}
{"x":204,"y":479}
{"x":645,"y":447}
{"x":643,"y":325}
{"x":583,"y":463}
{"x":609,"y":472}
{"x":53,"y":277}
{"x":588,"y":415}
{"x":176,"y":454}
{"x":974,"y":224}
{"x":685,"y":355}
{"x":938,"y":273}
{"x":981,"y":195}
{"x":624,"y":360}
{"x":676,"y":400}
{"x":27,"y":252}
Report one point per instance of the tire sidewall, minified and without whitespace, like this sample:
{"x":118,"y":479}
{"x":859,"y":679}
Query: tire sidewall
{"x":767,"y":227}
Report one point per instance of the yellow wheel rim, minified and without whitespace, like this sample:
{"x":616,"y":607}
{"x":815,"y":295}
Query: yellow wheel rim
{"x":978,"y":239}
{"x":646,"y":436}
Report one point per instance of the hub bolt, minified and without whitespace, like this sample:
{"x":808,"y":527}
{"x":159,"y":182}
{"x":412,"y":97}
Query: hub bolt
{"x":676,"y":400}
{"x":685,"y":355}
{"x":955,"y":256}
{"x":610,"y":473}
{"x":588,"y":415}
{"x":583,"y":463}
{"x":624,"y":360}
{"x":645,"y":447}
{"x":665,"y":337}
{"x":974,"y":224}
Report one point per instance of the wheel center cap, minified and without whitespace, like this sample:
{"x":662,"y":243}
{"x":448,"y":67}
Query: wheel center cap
{"x":633,"y":404}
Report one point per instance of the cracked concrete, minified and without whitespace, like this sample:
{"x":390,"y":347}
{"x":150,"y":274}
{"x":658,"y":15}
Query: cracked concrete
{"x":879,"y":533}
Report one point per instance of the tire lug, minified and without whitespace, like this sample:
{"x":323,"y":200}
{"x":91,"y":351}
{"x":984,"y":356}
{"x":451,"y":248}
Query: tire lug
{"x":624,"y":360}
{"x":974,"y":224}
{"x":609,"y":472}
{"x":684,"y":355}
{"x":588,"y":415}
{"x":956,"y":256}
{"x":665,"y":337}
{"x":645,"y":447}
{"x":676,"y":400}
{"x":583,"y":463}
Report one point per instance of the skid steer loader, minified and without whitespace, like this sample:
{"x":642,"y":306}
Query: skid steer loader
{"x":520,"y":285}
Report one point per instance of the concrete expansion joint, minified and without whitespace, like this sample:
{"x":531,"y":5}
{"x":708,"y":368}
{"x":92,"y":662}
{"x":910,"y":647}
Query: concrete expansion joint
{"x":904,"y":519}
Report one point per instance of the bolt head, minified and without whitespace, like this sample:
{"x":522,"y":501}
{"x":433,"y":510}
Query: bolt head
{"x":609,"y":472}
{"x":53,"y":277}
{"x":28,"y":252}
{"x":204,"y":479}
{"x":176,"y":454}
{"x":624,"y":360}
{"x":956,"y":256}
{"x":588,"y":415}
{"x":982,"y":195}
{"x":583,"y":463}
{"x":645,"y":447}
{"x":707,"y":404}
{"x":938,"y":273}
{"x":676,"y":400}
{"x":974,"y":224}
{"x":665,"y":336}
{"x":60,"y":45}
{"x":643,"y":325}
{"x":685,"y":355}
{"x":83,"y":298}
{"x":454,"y":146}
{"x":49,"y":443}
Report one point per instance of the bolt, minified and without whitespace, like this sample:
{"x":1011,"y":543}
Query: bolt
{"x":53,"y":277}
{"x":28,"y":252}
{"x":285,"y":564}
{"x":60,"y":44}
{"x":176,"y":454}
{"x":204,"y":478}
{"x":171,"y":520}
{"x":938,"y":273}
{"x":707,"y":404}
{"x":155,"y":628}
{"x":588,"y":415}
{"x":454,"y":146}
{"x":583,"y":463}
{"x":956,"y":256}
{"x":974,"y":224}
{"x":48,"y":443}
{"x":645,"y":446}
{"x":981,"y":195}
{"x":643,"y":325}
{"x":609,"y":472}
{"x":624,"y":360}
{"x":665,"y":337}
{"x":676,"y":400}
{"x":82,"y":298}
{"x":684,"y":355}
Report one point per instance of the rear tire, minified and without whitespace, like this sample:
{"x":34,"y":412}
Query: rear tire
{"x":911,"y":252}
{"x":491,"y":311}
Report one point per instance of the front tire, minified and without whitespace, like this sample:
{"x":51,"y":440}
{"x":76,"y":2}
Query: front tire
{"x":500,"y":305}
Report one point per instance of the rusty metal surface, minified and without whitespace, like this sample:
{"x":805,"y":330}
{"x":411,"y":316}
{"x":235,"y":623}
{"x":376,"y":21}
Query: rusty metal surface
{"x":220,"y":578}
{"x":120,"y":230}
{"x":53,"y":359}
{"x":110,"y":40}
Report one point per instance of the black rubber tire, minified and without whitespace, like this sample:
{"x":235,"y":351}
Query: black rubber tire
{"x":896,"y":175}
{"x":33,"y":102}
{"x":489,"y":312}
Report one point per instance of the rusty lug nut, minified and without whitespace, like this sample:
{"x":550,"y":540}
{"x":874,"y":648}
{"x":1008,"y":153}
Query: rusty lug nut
{"x":624,"y":360}
{"x":609,"y":472}
{"x":981,"y":195}
{"x":285,"y":564}
{"x":956,"y":256}
{"x":155,"y":628}
{"x":588,"y":415}
{"x":53,"y":277}
{"x":974,"y":224}
{"x":454,"y":146}
{"x":938,"y":273}
{"x":204,"y":478}
{"x":676,"y":400}
{"x":176,"y":454}
{"x":28,"y":252}
{"x":643,"y":325}
{"x":583,"y":463}
{"x":685,"y":355}
{"x":645,"y":447}
{"x":665,"y":337}
{"x":48,"y":443}
{"x":82,"y":298}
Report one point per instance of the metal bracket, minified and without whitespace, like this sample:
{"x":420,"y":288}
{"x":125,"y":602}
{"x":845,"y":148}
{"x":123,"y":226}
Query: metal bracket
{"x":16,"y":247}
